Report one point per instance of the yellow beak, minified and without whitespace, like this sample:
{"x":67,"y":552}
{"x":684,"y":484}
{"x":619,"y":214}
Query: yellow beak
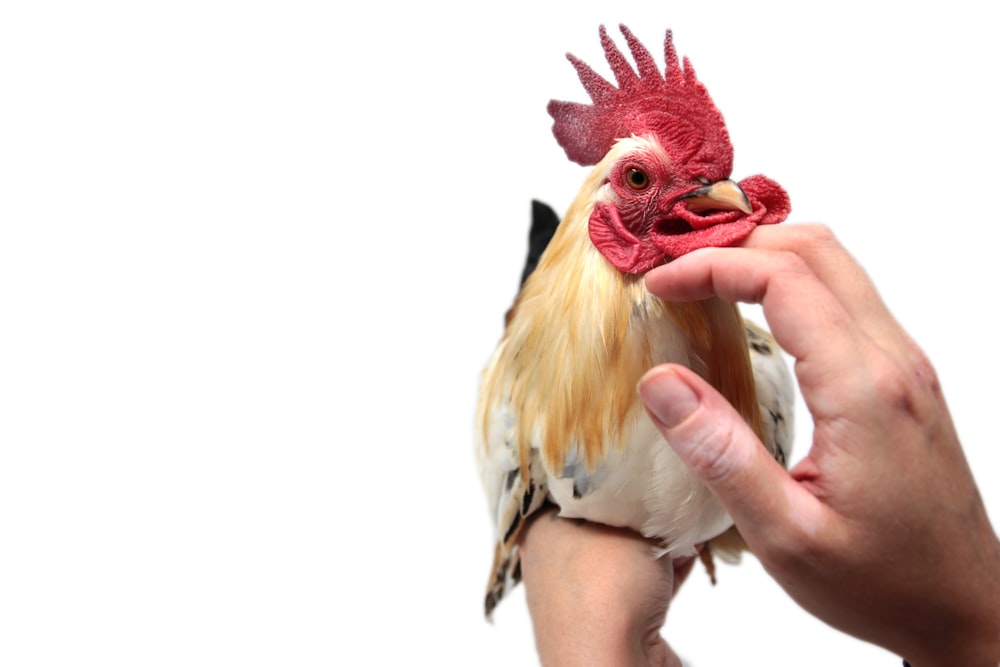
{"x":720,"y":196}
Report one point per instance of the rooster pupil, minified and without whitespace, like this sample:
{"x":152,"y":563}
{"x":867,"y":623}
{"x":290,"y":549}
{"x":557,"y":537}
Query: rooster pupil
{"x":637,"y":179}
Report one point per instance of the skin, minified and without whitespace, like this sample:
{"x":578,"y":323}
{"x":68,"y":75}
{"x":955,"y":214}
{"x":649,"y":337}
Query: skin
{"x":595,"y":595}
{"x":884,"y":499}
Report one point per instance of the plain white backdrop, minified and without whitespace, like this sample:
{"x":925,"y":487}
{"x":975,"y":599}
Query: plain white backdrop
{"x":253,"y":256}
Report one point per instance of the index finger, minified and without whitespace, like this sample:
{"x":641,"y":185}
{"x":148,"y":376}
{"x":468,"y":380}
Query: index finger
{"x":837,"y":269}
{"x":805,"y":316}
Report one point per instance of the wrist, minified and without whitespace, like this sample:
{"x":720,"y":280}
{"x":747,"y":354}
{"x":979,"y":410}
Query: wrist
{"x":974,"y":642}
{"x":974,"y":657}
{"x":961,"y":622}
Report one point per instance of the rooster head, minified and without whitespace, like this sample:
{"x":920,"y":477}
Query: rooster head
{"x":667,"y":157}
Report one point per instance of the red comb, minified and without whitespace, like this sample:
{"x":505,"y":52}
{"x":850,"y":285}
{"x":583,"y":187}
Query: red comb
{"x":674,"y":107}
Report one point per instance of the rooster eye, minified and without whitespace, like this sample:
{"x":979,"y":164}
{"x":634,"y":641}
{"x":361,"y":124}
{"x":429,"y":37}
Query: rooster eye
{"x":637,"y":179}
{"x":703,"y":180}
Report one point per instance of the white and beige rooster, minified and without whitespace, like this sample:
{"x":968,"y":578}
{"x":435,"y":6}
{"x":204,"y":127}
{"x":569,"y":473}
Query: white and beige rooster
{"x":559,"y":419}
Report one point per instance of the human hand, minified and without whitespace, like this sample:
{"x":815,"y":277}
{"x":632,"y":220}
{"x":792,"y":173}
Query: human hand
{"x":880,"y":530}
{"x":595,"y":593}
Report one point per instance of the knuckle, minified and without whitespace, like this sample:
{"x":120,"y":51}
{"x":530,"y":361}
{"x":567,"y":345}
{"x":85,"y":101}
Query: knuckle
{"x":889,"y":384}
{"x":817,"y":234}
{"x":924,"y":372}
{"x":788,"y":262}
{"x":909,"y":386}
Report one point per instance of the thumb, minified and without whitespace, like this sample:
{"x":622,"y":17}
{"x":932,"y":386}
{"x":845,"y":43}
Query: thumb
{"x":714,"y":441}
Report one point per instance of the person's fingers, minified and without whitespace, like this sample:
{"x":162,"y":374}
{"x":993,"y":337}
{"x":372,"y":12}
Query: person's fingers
{"x":804,"y":316}
{"x":780,"y":281}
{"x":829,"y":260}
{"x":837,"y":269}
{"x":721,"y":449}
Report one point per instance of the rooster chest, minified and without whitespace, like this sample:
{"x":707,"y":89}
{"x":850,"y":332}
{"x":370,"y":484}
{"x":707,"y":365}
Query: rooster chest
{"x":639,"y":482}
{"x":642,"y":486}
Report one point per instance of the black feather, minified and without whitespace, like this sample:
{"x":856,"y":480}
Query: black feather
{"x":543,"y":225}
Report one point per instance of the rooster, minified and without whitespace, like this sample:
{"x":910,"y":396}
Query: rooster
{"x":558,"y":417}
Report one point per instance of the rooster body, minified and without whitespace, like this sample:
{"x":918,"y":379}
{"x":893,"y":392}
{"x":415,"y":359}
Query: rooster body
{"x":558,"y":418}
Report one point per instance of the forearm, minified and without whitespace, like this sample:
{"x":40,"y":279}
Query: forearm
{"x":577,"y":632}
{"x":595,"y":594}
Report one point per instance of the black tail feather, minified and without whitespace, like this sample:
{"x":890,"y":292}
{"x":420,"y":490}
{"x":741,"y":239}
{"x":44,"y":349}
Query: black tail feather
{"x":543,"y":225}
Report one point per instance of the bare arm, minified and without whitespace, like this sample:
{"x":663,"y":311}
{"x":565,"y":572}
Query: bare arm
{"x":596,"y":595}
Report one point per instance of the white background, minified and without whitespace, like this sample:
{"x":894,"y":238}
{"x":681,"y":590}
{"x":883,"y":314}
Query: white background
{"x":253,"y":256}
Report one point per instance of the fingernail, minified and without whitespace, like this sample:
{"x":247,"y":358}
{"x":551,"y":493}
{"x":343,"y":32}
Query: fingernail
{"x":667,"y":396}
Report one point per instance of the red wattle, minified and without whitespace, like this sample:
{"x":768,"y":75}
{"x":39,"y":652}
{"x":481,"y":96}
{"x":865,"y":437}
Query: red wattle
{"x":624,"y":250}
{"x":630,"y":254}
